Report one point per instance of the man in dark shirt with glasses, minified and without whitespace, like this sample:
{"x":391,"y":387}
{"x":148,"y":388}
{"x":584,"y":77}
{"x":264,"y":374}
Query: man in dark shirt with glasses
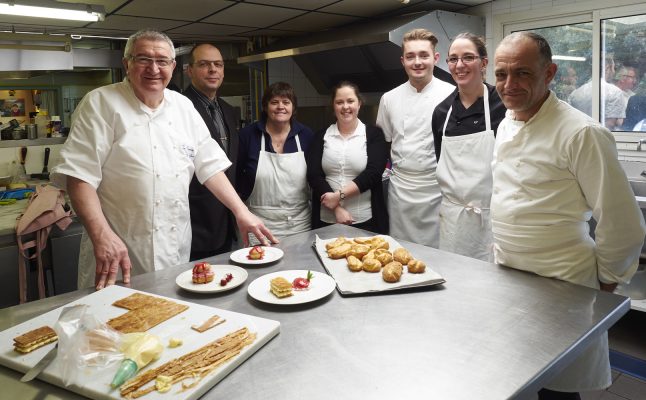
{"x":212,"y":223}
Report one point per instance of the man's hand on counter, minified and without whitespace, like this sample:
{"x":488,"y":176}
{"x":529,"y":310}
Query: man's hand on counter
{"x":221,"y":188}
{"x":247,"y":222}
{"x":111,"y":253}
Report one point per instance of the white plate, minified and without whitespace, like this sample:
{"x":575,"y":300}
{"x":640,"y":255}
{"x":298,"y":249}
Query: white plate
{"x":271,"y":254}
{"x":185,"y":279}
{"x":320,"y":286}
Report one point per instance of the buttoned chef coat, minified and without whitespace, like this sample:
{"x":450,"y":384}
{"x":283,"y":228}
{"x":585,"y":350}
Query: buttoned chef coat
{"x":413,"y":193}
{"x":141,"y":162}
{"x":410,"y":131}
{"x":550,"y":174}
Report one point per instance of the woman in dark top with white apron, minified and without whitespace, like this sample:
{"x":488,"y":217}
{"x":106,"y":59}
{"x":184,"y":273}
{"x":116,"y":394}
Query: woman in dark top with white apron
{"x":271,"y":174}
{"x":464,"y":127}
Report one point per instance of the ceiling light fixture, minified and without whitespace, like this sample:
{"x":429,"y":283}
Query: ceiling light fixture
{"x":567,"y":58}
{"x":53,"y":10}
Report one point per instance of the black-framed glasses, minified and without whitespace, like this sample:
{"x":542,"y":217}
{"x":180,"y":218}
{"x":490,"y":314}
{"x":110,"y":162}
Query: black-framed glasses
{"x":468,"y":59}
{"x":204,"y":64}
{"x":147,"y":61}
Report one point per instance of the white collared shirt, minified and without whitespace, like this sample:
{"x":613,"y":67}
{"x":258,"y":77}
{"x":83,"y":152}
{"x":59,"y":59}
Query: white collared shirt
{"x":344,"y":158}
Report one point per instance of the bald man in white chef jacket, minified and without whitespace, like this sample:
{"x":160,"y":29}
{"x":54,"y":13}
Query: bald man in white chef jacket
{"x":553,"y":169}
{"x":405,"y":117}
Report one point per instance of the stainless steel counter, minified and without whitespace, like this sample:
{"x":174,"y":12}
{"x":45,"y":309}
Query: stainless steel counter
{"x":488,"y":333}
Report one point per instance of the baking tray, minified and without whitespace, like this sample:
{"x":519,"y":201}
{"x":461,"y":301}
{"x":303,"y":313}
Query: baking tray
{"x":350,"y":283}
{"x":95,"y":384}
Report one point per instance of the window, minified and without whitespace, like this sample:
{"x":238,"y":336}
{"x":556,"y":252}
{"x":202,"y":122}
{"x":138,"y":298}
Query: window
{"x":623,"y":50}
{"x":601,"y":57}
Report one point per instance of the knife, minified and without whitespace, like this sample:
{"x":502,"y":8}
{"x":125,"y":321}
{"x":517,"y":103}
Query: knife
{"x":51,"y":355}
{"x":46,"y":160}
{"x":41,"y":365}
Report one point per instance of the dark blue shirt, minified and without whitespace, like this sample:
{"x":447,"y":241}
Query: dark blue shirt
{"x":249,"y":151}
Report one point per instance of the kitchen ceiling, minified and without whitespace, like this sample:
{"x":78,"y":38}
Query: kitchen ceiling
{"x":189,"y":21}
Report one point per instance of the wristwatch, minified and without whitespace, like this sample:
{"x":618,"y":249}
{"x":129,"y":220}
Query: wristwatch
{"x":341,"y":196}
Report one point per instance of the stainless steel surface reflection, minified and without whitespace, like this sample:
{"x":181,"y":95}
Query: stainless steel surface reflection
{"x":489,"y":333}
{"x":639,"y":187}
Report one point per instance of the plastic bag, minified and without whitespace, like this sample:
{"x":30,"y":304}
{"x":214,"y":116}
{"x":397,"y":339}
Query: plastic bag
{"x":84,"y":342}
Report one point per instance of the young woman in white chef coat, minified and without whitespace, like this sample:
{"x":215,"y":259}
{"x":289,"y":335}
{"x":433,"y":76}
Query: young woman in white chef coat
{"x":464,"y":129}
{"x":271,"y":170}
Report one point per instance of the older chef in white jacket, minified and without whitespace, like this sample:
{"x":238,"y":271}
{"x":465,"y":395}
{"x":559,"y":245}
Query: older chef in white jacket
{"x":553,"y":169}
{"x":128,"y":163}
{"x":405,"y":117}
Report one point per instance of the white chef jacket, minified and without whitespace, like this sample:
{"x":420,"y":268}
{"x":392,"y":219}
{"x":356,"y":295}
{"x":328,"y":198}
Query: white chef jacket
{"x":141,"y":162}
{"x":550,"y":174}
{"x":343,"y":160}
{"x":410,"y":131}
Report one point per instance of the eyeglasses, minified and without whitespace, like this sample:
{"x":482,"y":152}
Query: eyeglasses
{"x":204,"y":64}
{"x":147,"y":61}
{"x":468,"y":59}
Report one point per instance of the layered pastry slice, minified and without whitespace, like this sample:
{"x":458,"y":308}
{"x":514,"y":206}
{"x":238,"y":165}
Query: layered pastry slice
{"x":35,"y":339}
{"x":281,"y":287}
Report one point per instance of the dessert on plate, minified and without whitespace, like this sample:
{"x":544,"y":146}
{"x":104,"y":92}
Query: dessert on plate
{"x":256,"y":253}
{"x":280,"y":287}
{"x":202,"y":273}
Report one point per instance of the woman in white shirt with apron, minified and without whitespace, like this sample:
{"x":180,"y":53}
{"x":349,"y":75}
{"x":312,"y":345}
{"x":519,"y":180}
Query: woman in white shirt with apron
{"x":464,"y":127}
{"x":271,"y":164}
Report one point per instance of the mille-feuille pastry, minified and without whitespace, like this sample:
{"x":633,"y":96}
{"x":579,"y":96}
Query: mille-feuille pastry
{"x":402,"y":255}
{"x":354,"y":264}
{"x":416,"y":267}
{"x":337,"y":242}
{"x":359,"y":250}
{"x":339,"y":251}
{"x":392,"y":272}
{"x":280,"y":287}
{"x":34,"y":339}
{"x":372,"y":265}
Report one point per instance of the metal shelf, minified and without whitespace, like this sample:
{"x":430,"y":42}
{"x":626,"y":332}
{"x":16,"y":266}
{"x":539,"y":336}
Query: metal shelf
{"x":32,"y":142}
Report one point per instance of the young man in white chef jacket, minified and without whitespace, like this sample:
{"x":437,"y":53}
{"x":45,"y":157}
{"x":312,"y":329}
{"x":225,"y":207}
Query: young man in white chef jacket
{"x":553,"y":169}
{"x":128,"y":163}
{"x":405,"y":117}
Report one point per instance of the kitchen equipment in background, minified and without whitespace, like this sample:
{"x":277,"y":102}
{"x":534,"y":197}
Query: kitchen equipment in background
{"x":22,"y":176}
{"x":367,"y":53}
{"x":32,"y":131}
{"x":41,"y":122}
{"x":5,"y":174}
{"x":57,"y":125}
{"x":45,"y":173}
{"x":17,"y":133}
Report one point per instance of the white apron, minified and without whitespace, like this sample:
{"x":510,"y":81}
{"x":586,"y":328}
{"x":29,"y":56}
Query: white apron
{"x":548,"y":251}
{"x":464,"y":177}
{"x":280,"y":195}
{"x":413,"y":206}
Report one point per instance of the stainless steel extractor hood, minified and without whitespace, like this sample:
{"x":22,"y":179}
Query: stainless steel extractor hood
{"x":368,"y":53}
